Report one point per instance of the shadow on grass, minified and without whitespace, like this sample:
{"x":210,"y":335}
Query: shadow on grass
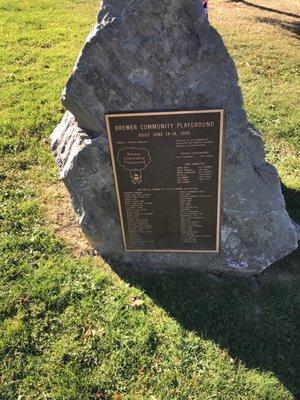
{"x":292,"y":199}
{"x":253,"y":319}
{"x":293,"y":26}
{"x":260,"y":7}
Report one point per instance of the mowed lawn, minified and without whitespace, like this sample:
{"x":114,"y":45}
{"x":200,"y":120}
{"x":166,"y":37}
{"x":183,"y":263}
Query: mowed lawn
{"x":70,"y":327}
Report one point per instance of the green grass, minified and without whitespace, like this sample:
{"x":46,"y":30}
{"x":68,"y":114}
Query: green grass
{"x":73,"y":329}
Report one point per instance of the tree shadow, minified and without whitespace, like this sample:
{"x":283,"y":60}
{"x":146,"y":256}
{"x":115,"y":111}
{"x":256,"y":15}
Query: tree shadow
{"x":273,"y":10}
{"x":293,"y":27}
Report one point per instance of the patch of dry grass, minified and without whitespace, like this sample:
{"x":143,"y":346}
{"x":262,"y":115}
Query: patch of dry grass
{"x":63,"y":220}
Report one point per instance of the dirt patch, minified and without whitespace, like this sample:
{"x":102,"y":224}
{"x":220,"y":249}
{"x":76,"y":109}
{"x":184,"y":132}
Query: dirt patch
{"x":253,"y":18}
{"x":64,"y":222}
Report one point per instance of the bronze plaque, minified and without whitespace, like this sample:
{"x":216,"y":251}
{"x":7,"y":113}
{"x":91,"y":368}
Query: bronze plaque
{"x":167,"y":169}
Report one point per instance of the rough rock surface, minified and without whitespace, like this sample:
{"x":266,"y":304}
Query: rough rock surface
{"x":160,"y":55}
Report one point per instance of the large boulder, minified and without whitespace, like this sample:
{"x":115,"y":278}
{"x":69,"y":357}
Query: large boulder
{"x":161,"y":55}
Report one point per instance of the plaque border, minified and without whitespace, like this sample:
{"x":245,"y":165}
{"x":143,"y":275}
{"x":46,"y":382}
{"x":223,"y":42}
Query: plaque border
{"x":220,"y":174}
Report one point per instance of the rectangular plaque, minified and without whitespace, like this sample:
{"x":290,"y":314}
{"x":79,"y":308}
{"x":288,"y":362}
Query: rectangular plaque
{"x":167,"y":170}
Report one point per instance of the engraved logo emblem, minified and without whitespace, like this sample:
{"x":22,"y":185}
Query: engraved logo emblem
{"x":134,"y":160}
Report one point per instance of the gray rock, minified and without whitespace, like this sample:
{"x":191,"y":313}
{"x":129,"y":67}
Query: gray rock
{"x":161,"y":55}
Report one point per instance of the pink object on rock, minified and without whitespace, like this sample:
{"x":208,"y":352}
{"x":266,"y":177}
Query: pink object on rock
{"x":205,"y":5}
